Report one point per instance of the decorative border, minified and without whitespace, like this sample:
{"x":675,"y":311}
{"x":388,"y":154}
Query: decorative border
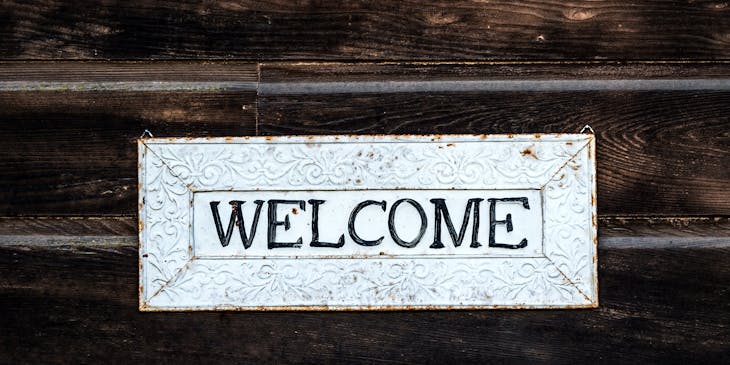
{"x":562,"y":166}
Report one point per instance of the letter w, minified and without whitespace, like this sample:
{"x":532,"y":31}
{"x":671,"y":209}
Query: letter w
{"x":236,"y":219}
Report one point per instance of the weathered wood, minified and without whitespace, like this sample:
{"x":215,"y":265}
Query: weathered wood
{"x":66,"y":151}
{"x":68,"y":141}
{"x":688,"y":227}
{"x":293,"y":74}
{"x":77,"y":303}
{"x":75,"y":152}
{"x":383,"y":30}
{"x":167,"y":75}
{"x":68,"y":285}
{"x":659,"y":138}
{"x":60,"y":226}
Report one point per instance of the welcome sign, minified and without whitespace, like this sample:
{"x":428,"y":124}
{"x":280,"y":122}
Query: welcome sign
{"x":368,"y":222}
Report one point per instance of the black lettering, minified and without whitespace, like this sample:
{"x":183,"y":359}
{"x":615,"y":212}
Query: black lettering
{"x":351,"y":223}
{"x":508,"y":221}
{"x":441,"y":209}
{"x":236,"y":219}
{"x":315,"y":228}
{"x":273,"y":223}
{"x":391,"y":223}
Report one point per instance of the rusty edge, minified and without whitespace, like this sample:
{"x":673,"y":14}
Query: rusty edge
{"x":141,"y":158}
{"x":359,"y":308}
{"x":594,"y":216}
{"x":142,"y":146}
{"x":305,"y":138}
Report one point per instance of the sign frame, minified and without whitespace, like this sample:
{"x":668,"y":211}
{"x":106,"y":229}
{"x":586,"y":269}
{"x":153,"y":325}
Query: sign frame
{"x":561,"y":166}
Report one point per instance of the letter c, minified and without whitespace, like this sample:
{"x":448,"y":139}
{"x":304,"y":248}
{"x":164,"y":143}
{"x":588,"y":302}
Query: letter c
{"x":351,"y":223}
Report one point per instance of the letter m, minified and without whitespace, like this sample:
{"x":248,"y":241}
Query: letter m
{"x":442,"y":210}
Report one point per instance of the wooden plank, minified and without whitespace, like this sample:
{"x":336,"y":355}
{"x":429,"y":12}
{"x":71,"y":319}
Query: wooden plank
{"x":660,"y":137}
{"x":79,"y":303}
{"x":69,"y":131}
{"x":288,"y":73}
{"x":632,"y":227}
{"x":167,"y":75}
{"x":384,"y":30}
{"x":69,"y":226}
{"x":665,"y":145}
{"x":75,"y":152}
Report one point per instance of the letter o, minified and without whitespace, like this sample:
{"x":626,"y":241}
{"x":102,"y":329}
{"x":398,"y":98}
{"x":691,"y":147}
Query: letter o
{"x":391,"y":223}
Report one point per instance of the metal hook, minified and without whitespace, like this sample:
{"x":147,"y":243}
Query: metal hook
{"x":146,"y":133}
{"x":587,"y":128}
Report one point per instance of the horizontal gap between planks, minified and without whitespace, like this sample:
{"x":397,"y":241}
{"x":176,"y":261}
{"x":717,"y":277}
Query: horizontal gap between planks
{"x":344,"y":77}
{"x":614,"y":232}
{"x":248,"y":67}
{"x":627,"y":242}
{"x":280,"y":88}
{"x":126,"y":86}
{"x":127,"y":76}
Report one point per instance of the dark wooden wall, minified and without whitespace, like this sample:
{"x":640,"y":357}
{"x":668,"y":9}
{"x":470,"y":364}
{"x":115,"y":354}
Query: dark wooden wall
{"x":80,"y":81}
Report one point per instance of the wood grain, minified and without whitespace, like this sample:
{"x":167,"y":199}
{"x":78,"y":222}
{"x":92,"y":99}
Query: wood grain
{"x":68,"y":141}
{"x":240,"y":75}
{"x":658,"y":153}
{"x":294,"y":73}
{"x":663,"y":148}
{"x":69,"y":128}
{"x":364,"y":30}
{"x":79,"y":304}
{"x":652,"y":78}
{"x":68,"y":226}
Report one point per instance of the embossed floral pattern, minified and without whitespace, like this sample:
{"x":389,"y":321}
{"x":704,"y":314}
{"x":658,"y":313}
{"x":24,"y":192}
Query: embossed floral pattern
{"x":172,"y":278}
{"x":568,"y":238}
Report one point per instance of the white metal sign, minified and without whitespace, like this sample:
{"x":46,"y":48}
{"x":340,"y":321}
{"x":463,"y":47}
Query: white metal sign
{"x":367,"y":222}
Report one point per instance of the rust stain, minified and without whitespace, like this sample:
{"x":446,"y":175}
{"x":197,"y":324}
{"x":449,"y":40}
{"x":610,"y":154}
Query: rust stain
{"x":145,"y":308}
{"x":294,"y":211}
{"x":529,"y":152}
{"x":568,"y":143}
{"x":357,"y":181}
{"x":450,"y":145}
